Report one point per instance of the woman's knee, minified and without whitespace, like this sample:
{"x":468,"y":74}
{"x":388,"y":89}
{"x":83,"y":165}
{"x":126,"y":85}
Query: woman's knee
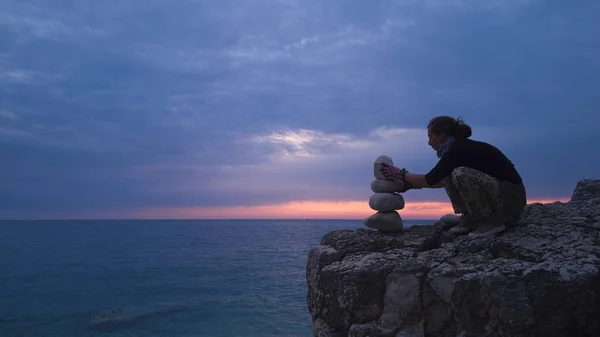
{"x":466,"y":177}
{"x":461,"y":174}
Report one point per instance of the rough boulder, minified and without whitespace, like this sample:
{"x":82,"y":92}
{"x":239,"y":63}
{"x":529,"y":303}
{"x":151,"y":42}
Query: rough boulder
{"x":540,"y":278}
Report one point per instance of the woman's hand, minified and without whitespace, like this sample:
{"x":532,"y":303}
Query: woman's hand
{"x":392,"y":171}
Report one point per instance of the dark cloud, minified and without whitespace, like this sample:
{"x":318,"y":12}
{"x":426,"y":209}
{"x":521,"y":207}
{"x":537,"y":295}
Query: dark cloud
{"x":110,"y":107}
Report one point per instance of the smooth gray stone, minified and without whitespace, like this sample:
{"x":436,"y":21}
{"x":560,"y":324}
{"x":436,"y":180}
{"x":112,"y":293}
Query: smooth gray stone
{"x":387,"y":186}
{"x":389,"y":222}
{"x":386,"y":202}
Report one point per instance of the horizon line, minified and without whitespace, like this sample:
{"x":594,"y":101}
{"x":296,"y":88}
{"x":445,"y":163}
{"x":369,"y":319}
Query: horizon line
{"x":292,"y":210}
{"x":196,"y":219}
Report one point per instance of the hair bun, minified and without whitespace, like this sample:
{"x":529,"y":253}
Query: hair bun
{"x":462,"y":130}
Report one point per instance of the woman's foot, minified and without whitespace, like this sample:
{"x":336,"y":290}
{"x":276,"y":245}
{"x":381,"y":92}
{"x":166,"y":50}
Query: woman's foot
{"x":464,"y":226}
{"x":488,"y":228}
{"x":450,"y":219}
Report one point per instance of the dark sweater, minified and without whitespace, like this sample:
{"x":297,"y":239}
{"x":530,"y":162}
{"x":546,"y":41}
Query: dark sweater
{"x":476,"y":155}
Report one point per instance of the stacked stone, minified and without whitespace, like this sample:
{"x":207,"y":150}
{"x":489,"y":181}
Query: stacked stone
{"x":386,"y":200}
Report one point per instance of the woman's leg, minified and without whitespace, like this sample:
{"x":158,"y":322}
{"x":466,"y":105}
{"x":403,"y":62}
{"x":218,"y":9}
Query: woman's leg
{"x":463,"y":225}
{"x":515,"y":200}
{"x":479,"y":193}
{"x":455,"y":199}
{"x":482,"y":200}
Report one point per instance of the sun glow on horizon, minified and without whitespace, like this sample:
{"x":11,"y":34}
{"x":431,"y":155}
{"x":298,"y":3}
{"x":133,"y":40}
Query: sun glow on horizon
{"x":351,"y":209}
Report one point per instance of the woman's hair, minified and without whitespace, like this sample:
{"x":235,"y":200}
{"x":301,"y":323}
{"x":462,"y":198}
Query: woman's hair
{"x":450,"y":127}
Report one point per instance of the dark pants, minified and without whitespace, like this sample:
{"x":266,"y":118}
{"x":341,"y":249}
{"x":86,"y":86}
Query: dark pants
{"x":481,"y":196}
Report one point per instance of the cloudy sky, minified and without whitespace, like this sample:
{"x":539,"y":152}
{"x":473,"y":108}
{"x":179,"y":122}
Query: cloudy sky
{"x":278,"y":108}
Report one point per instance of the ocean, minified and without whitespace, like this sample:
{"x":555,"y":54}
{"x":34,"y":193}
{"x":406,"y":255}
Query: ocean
{"x":157,"y":278}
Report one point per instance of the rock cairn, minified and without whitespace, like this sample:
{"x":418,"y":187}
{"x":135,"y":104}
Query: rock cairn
{"x":386,"y":200}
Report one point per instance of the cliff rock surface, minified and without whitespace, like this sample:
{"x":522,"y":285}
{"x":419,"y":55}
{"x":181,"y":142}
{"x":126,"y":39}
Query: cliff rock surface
{"x":540,"y":278}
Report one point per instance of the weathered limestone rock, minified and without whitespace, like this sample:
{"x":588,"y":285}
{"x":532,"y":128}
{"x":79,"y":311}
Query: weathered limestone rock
{"x":540,"y":278}
{"x":586,"y":190}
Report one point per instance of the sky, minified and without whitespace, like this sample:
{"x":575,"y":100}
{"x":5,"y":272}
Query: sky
{"x":278,"y":108}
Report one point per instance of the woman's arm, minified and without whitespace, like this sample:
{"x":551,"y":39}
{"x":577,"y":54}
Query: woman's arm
{"x":414,"y":180}
{"x":442,"y":169}
{"x":438,"y":185}
{"x":418,"y":181}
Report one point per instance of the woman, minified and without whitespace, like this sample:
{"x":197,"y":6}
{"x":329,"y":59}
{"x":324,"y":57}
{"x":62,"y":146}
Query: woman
{"x":483,"y":185}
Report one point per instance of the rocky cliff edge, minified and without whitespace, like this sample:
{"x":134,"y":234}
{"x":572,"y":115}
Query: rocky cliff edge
{"x":540,"y":278}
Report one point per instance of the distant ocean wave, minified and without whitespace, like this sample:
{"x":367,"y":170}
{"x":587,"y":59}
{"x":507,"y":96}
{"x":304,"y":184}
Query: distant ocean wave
{"x":114,"y":319}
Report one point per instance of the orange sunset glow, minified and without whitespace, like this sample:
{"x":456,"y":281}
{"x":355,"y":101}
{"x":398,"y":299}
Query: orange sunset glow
{"x":301,"y":210}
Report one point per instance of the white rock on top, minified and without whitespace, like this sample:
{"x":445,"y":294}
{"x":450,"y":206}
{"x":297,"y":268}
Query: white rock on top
{"x":386,"y":202}
{"x":377,"y":166}
{"x":389,"y":222}
{"x":387,"y":186}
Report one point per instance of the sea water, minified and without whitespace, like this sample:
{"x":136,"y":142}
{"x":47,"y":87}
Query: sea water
{"x":158,"y":278}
